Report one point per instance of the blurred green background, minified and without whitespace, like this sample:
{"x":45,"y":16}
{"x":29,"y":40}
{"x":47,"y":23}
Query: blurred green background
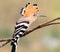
{"x":46,"y":39}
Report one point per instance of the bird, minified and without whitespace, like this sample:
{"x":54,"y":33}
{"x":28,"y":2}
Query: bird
{"x":29,"y":15}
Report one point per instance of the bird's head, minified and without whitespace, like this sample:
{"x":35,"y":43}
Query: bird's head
{"x":30,"y":10}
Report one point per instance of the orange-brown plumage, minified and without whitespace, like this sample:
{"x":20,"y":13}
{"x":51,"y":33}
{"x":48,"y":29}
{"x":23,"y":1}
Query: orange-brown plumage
{"x":30,"y":10}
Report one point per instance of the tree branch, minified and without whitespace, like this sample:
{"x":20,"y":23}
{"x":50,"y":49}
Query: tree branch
{"x":38,"y":27}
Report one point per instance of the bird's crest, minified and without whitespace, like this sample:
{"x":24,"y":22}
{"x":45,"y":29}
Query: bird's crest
{"x":29,"y":10}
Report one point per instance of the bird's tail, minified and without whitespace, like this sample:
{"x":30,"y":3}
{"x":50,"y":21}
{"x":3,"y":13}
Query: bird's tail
{"x":13,"y":48}
{"x":14,"y":43}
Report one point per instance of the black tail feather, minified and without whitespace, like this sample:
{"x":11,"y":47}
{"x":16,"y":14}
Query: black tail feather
{"x":13,"y":48}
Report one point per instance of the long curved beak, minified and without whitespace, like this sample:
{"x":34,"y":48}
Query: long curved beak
{"x":38,"y":15}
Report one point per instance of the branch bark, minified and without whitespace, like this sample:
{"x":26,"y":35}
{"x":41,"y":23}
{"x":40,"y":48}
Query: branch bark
{"x":38,"y":27}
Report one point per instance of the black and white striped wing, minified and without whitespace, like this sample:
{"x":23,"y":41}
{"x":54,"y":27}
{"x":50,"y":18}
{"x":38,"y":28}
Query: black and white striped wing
{"x":20,"y":29}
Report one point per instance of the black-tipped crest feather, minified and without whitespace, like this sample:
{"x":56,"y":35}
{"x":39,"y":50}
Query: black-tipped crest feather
{"x":21,"y":11}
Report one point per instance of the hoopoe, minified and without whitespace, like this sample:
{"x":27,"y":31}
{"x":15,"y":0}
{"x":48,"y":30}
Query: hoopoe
{"x":29,"y":15}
